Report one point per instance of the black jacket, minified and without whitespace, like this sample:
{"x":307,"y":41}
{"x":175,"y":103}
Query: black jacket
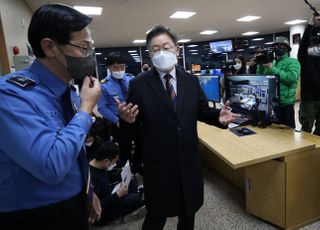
{"x":173,"y":179}
{"x":102,"y":188}
{"x":310,"y":70}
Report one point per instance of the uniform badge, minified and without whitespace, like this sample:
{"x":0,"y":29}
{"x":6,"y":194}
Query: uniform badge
{"x":21,"y":81}
{"x":75,"y":107}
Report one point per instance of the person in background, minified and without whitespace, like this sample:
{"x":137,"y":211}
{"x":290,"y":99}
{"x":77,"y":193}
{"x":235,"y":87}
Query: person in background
{"x":166,"y":102}
{"x":288,"y":70}
{"x":115,"y":86}
{"x":240,"y":67}
{"x":44,"y":173}
{"x":309,"y":57}
{"x":125,"y":200}
{"x":145,"y":67}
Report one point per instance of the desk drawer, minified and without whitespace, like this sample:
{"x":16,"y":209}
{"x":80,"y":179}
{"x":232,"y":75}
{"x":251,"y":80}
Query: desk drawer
{"x":265,"y":191}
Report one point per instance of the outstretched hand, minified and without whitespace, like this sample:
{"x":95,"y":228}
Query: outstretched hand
{"x":226,"y":116}
{"x":128,"y":112}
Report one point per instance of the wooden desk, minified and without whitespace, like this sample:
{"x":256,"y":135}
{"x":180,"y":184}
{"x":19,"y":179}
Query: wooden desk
{"x":278,"y":168}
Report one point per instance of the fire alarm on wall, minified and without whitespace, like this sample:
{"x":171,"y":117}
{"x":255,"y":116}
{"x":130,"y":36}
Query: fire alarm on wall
{"x":15,"y":50}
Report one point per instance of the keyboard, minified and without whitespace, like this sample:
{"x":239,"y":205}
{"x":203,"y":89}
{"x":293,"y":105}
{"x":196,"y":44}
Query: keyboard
{"x":242,"y":121}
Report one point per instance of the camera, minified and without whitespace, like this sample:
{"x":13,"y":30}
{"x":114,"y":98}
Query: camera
{"x":224,"y":65}
{"x":265,"y":56}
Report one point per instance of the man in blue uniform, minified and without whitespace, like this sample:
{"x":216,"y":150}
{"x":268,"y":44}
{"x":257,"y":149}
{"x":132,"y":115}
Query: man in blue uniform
{"x":115,"y":86}
{"x":43,"y":170}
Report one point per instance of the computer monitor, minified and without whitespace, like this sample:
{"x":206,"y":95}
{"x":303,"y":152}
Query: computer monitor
{"x":218,"y":47}
{"x":211,"y":87}
{"x":251,"y":93}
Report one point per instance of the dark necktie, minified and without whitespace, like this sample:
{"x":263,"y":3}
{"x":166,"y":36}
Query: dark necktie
{"x":123,"y":87}
{"x":69,"y":112}
{"x":171,"y":94}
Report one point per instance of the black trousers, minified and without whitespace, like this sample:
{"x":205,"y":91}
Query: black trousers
{"x":285,"y":115}
{"x":156,"y":222}
{"x":69,"y":214}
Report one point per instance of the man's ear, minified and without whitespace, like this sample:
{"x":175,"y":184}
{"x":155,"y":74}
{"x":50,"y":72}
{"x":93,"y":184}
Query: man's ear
{"x":47,"y":46}
{"x":178,"y":50}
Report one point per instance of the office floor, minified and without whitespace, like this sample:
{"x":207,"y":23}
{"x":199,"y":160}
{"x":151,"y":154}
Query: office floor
{"x":223,"y":209}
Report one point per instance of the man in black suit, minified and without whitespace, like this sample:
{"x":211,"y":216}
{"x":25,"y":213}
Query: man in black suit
{"x":167,"y":102}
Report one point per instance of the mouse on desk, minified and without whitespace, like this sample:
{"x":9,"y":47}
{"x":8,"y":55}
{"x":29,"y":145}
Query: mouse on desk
{"x":240,"y":130}
{"x":243,"y":131}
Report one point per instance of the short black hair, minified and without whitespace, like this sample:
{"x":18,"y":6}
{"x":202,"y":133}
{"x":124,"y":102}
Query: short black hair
{"x":115,"y":58}
{"x":161,"y":29}
{"x":57,"y":22}
{"x":108,"y":150}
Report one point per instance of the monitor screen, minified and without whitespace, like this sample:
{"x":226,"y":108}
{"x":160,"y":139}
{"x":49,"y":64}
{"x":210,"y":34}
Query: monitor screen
{"x":221,"y":46}
{"x":247,"y":93}
{"x":210,"y":86}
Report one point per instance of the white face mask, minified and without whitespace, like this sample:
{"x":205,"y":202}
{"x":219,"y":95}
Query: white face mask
{"x":164,"y":61}
{"x":237,"y":66}
{"x":118,"y":74}
{"x":314,"y":51}
{"x":111,"y":167}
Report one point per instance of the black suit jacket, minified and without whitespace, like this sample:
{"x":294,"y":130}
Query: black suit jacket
{"x":173,"y":179}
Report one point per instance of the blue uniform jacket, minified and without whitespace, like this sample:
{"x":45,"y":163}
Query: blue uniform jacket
{"x":38,"y":149}
{"x":110,"y":89}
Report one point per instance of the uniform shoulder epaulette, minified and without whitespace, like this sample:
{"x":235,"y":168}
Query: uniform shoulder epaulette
{"x":21,"y":81}
{"x":103,"y":80}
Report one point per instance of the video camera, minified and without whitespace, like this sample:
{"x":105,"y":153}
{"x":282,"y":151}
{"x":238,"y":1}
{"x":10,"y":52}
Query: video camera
{"x":264,"y":56}
{"x":224,"y":65}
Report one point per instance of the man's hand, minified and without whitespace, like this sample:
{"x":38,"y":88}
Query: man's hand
{"x":94,"y":210}
{"x":268,"y":65}
{"x":89,"y":95}
{"x":226,"y":116}
{"x":127,"y":112}
{"x":123,"y":190}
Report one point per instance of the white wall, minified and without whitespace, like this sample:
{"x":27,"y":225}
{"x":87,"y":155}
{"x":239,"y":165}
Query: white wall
{"x":16,"y":16}
{"x":296,"y":29}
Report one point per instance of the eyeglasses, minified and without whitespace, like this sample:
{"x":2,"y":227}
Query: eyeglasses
{"x":86,"y":51}
{"x":155,"y":50}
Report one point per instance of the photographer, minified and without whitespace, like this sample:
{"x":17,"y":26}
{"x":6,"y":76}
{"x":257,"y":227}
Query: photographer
{"x":309,"y":57}
{"x":288,"y":70}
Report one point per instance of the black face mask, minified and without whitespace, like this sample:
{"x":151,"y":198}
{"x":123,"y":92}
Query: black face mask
{"x":145,"y":69}
{"x":280,"y":51}
{"x":79,"y":67}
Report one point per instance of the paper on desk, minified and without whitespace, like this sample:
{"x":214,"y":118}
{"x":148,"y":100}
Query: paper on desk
{"x":125,"y":176}
{"x":232,"y":125}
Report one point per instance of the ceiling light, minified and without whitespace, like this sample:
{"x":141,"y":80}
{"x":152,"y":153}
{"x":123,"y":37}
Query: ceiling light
{"x":208,"y":32}
{"x":240,"y":50}
{"x":248,"y":18}
{"x":184,"y":40}
{"x":132,"y":51}
{"x":193,"y":50}
{"x":89,"y":10}
{"x":139,"y":41}
{"x":194,"y":53}
{"x":191,"y":46}
{"x":98,"y":53}
{"x":257,"y":39}
{"x":269,"y":43}
{"x":295,"y":22}
{"x":250,"y":33}
{"x":252,"y":47}
{"x":146,"y":50}
{"x":182,"y":14}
